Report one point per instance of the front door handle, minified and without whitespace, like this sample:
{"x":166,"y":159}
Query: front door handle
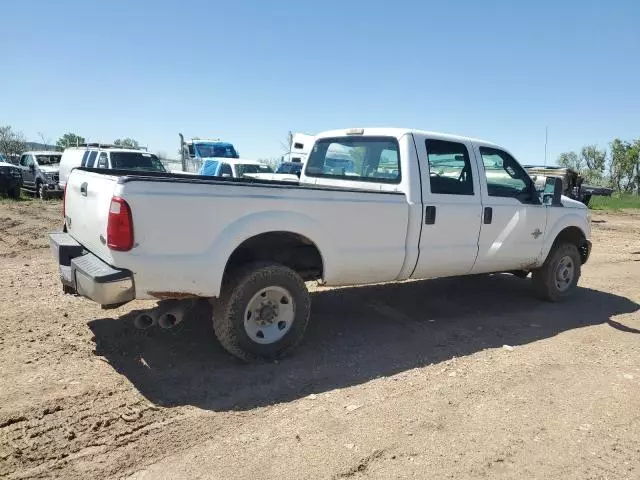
{"x":429,"y":215}
{"x":83,"y":189}
{"x":488,"y":215}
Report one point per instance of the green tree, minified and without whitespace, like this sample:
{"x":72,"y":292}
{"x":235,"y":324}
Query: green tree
{"x":126,"y":143}
{"x":69,"y":140}
{"x":624,"y":168}
{"x":570,"y":160}
{"x":594,"y":161}
{"x":12,"y":143}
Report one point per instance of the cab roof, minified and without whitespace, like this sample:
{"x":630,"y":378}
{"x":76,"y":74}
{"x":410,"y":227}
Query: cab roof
{"x":399,"y":132}
{"x":42,"y":152}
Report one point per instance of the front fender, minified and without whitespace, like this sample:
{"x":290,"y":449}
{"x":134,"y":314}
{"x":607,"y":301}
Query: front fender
{"x":558,"y":225}
{"x":254,"y":224}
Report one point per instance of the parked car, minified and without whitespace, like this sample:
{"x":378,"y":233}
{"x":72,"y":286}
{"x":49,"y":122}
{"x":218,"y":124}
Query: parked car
{"x":96,"y":155}
{"x":238,"y":168}
{"x":40,"y":170}
{"x":250,"y":246}
{"x":292,"y":168}
{"x":10,"y":179}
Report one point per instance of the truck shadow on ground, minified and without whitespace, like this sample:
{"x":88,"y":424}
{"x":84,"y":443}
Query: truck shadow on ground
{"x":356,"y":334}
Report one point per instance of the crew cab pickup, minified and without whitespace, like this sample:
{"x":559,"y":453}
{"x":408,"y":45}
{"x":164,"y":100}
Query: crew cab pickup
{"x":408,"y":205}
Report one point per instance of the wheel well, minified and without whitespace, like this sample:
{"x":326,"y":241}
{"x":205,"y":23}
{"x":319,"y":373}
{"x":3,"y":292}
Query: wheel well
{"x":575,"y":236}
{"x":286,"y":248}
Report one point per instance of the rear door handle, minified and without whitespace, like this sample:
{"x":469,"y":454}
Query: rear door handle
{"x":429,"y":215}
{"x":488,"y":215}
{"x":83,"y":189}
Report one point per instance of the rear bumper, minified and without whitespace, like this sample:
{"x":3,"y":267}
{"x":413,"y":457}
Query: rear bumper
{"x":87,"y":275}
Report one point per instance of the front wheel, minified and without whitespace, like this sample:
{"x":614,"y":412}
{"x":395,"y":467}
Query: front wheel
{"x":40,"y":191}
{"x":262,"y":313}
{"x":558,"y":277}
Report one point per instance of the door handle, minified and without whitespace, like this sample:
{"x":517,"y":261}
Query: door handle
{"x":83,"y":189}
{"x":488,"y":215}
{"x":429,"y":215}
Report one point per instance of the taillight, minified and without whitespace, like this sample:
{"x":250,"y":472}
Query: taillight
{"x":119,"y":225}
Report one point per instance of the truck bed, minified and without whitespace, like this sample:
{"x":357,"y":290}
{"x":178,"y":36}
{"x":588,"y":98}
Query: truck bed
{"x":186,"y":227}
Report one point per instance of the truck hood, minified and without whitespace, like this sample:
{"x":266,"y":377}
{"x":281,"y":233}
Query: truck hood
{"x":49,"y":169}
{"x":571,"y":203}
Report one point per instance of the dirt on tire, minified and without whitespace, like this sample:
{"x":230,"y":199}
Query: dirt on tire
{"x":448,"y":378}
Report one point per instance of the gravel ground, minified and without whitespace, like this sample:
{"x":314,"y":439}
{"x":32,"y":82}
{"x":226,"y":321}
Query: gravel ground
{"x":449,"y":378}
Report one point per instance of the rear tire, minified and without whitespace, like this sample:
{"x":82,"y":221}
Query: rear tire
{"x":14,"y":193}
{"x":262,"y":313}
{"x":558,"y":277}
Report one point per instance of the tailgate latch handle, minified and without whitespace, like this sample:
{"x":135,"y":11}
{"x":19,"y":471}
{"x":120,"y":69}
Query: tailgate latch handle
{"x":83,"y":189}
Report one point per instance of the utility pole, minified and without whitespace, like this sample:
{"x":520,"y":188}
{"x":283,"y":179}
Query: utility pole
{"x":546,"y":137}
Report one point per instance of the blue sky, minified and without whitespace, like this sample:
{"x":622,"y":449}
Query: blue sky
{"x":248,"y":72}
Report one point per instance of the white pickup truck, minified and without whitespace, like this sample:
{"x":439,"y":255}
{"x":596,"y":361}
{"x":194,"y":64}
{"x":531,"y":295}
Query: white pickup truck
{"x":411,"y":205}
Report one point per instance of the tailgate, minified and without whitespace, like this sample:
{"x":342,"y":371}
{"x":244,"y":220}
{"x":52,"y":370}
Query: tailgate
{"x":87,"y":202}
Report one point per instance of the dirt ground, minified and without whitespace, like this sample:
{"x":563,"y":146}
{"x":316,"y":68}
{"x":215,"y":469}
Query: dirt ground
{"x":392,"y":381}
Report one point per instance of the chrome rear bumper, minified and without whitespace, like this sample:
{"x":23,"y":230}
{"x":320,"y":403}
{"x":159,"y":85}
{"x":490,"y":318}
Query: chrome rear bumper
{"x":83,"y":273}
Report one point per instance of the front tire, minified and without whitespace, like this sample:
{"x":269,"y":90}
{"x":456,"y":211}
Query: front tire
{"x":40,"y":191}
{"x":262,"y":313}
{"x":558,"y":277}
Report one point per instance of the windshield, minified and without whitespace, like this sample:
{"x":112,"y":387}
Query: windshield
{"x":252,"y":168}
{"x":48,"y":159}
{"x":209,"y":150}
{"x":136,"y":161}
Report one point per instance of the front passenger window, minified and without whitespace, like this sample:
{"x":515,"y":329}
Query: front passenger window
{"x":505,"y":176}
{"x":449,"y":168}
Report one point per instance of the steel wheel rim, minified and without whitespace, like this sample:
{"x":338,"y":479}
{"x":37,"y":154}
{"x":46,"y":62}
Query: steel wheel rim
{"x":269,"y":315}
{"x":565,"y":271}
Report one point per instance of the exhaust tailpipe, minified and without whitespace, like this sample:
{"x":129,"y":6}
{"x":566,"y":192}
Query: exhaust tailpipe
{"x":172,"y":317}
{"x":144,"y":321}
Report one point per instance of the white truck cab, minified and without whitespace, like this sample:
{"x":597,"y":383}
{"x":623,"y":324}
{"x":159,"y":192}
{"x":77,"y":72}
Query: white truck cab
{"x":373,"y":205}
{"x":106,"y":156}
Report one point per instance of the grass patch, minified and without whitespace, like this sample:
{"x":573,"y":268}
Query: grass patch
{"x":4,"y":198}
{"x":615,"y":202}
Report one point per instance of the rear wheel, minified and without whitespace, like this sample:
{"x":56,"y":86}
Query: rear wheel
{"x":558,"y":277}
{"x":15,"y":192}
{"x":262,"y":313}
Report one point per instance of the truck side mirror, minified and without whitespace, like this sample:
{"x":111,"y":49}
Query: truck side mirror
{"x":552,"y":194}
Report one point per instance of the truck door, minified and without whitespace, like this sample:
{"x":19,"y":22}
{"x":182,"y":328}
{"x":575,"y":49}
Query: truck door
{"x":27,"y":165}
{"x":514,"y":222}
{"x":451,"y":208}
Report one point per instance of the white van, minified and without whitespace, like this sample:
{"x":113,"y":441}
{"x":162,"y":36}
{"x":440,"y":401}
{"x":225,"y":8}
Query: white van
{"x":95,"y":155}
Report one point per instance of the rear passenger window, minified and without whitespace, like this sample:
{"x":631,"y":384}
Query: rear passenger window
{"x":449,"y":168}
{"x":92,"y":159}
{"x":85,"y":156}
